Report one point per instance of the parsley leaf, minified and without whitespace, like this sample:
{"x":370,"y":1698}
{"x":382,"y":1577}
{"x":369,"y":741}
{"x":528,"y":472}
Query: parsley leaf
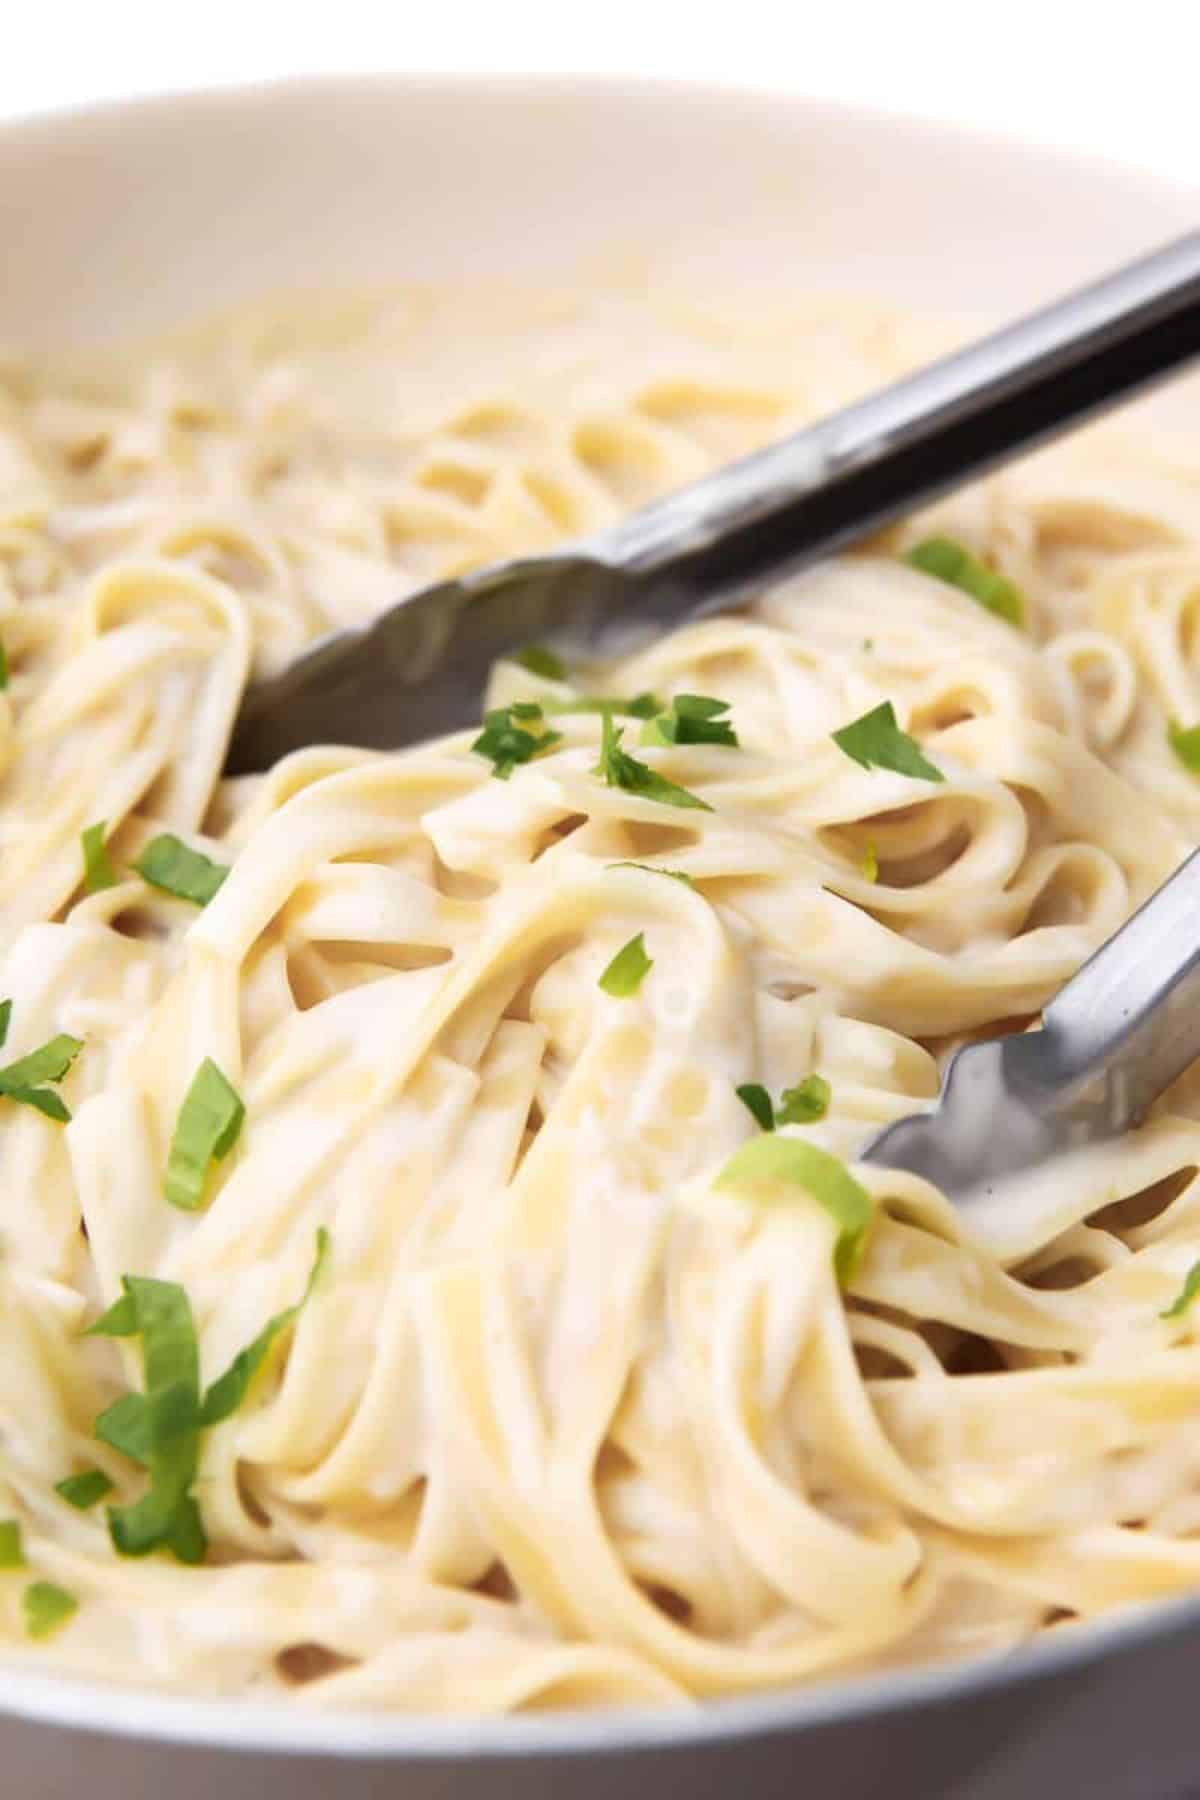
{"x":654,"y":869}
{"x":22,"y":1080}
{"x":47,"y":1608}
{"x":692,"y":719}
{"x":772,"y":1162}
{"x":953,"y":563}
{"x":627,"y":970}
{"x":642,"y":706}
{"x":876,"y":742}
{"x":619,"y":769}
{"x":1185,"y":742}
{"x":1186,"y":1294}
{"x":540,"y":661}
{"x":514,"y":734}
{"x":206,"y":1130}
{"x":806,"y":1102}
{"x":12,"y":1556}
{"x":755,"y":1098}
{"x":83,"y":1491}
{"x":229,"y":1390}
{"x":170,"y":864}
{"x":98,"y":872}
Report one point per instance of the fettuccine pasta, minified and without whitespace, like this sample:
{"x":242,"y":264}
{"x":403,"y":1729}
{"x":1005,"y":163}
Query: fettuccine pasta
{"x":398,"y":1306}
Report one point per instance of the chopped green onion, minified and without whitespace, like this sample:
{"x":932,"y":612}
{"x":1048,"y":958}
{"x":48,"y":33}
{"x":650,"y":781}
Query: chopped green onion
{"x":654,"y":869}
{"x":11,"y":1554}
{"x":22,"y":1080}
{"x":627,"y":970}
{"x":619,"y":769}
{"x":692,"y":719}
{"x":98,"y":872}
{"x":47,"y":1608}
{"x":771,"y":1161}
{"x":83,"y":1491}
{"x":876,"y":742}
{"x":209,"y":1122}
{"x":540,"y":661}
{"x":806,"y":1102}
{"x":1185,"y":742}
{"x":755,"y":1098}
{"x":170,"y":864}
{"x":1186,"y":1294}
{"x":229,"y":1390}
{"x":506,"y":739}
{"x":952,"y":562}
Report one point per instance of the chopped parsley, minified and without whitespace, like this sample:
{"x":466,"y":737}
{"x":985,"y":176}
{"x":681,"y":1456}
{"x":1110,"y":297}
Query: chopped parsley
{"x":755,"y":1098}
{"x":654,"y":869}
{"x":1185,"y":742}
{"x":876,"y":742}
{"x":514,"y":734}
{"x":1186,"y":1294}
{"x":805,"y":1103}
{"x":799,"y":1105}
{"x":47,"y":1607}
{"x":619,"y":769}
{"x":953,"y":563}
{"x":642,"y":706}
{"x":98,"y":872}
{"x":540,"y":661}
{"x":23,"y":1080}
{"x":170,"y":864}
{"x":771,"y":1162}
{"x":12,"y":1556}
{"x":627,"y":970}
{"x":206,"y":1130}
{"x":692,"y":719}
{"x":161,"y":1428}
{"x":84,"y":1491}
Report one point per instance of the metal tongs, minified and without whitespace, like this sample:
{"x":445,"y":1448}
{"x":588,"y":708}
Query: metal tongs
{"x":1129,"y":1022}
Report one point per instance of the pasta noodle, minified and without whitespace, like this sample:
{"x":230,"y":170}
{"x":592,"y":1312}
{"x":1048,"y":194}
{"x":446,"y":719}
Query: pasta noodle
{"x":560,"y":1418}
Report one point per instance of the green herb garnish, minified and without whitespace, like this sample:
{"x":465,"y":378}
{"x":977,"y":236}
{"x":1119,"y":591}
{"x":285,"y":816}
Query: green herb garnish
{"x":540,"y":661}
{"x":161,"y":1428}
{"x":755,"y":1098}
{"x":692,"y":719}
{"x":170,"y":864}
{"x":227,"y":1393}
{"x":83,"y":1491}
{"x":47,"y":1608}
{"x":206,"y":1131}
{"x":1185,"y":742}
{"x":627,"y":970}
{"x":514,"y":734}
{"x":1186,"y":1294}
{"x":653,"y":869}
{"x":98,"y":872}
{"x":619,"y":769}
{"x":22,"y":1080}
{"x":876,"y":742}
{"x":870,"y":864}
{"x":3,"y":666}
{"x":806,"y":1102}
{"x":771,"y":1162}
{"x":642,"y":706}
{"x":952,"y":562}
{"x":11,"y":1554}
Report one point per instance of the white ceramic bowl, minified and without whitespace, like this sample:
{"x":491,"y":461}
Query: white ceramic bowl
{"x":131,"y":217}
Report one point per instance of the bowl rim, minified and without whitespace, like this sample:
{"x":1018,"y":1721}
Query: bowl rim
{"x":284,"y":1728}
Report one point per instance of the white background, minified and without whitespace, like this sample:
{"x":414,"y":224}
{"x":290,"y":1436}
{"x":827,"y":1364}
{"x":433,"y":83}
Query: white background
{"x":1121,"y":79}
